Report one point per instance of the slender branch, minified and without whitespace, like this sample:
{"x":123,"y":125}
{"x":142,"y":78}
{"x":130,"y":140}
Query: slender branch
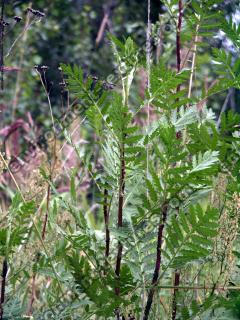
{"x":2,"y":44}
{"x":193,"y":62}
{"x":176,"y":286}
{"x":43,"y":235}
{"x":44,"y":228}
{"x":102,"y":27}
{"x":19,"y":79}
{"x":148,"y":58}
{"x":106,"y":220}
{"x":162,"y":223}
{"x":120,"y":215}
{"x":120,"y":219}
{"x":43,"y":80}
{"x":33,"y":295}
{"x":108,"y":10}
{"x":224,"y":108}
{"x":178,"y":38}
{"x":52,"y":167}
{"x":3,"y":286}
{"x":201,"y":287}
{"x":178,"y":53}
{"x":159,"y":41}
{"x":12,"y":176}
{"x":186,"y":56}
{"x":22,"y":34}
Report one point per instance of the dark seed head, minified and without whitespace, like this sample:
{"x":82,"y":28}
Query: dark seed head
{"x":40,"y":14}
{"x":17,"y":19}
{"x":108,"y":85}
{"x":35,"y":12}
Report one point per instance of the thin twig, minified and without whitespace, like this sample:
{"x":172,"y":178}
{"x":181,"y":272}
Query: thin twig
{"x":33,"y":295}
{"x":176,"y":286}
{"x":148,"y":58}
{"x":108,"y":9}
{"x":52,"y":167}
{"x":2,"y":43}
{"x":193,"y":62}
{"x":106,"y":220}
{"x":3,"y":286}
{"x":120,"y":215}
{"x":102,"y":28}
{"x":201,"y":287}
{"x":178,"y":54}
{"x":25,"y":29}
{"x":178,"y":37}
{"x":19,"y":74}
{"x":224,"y":108}
{"x":12,"y":176}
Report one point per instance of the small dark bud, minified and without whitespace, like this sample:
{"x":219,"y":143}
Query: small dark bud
{"x":17,"y":19}
{"x":163,"y":9}
{"x":178,"y":135}
{"x":108,"y":85}
{"x":5,"y":23}
{"x":168,"y":27}
{"x":62,"y":84}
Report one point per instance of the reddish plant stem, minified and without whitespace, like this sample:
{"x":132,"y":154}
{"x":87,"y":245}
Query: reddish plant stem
{"x":178,"y":37}
{"x":33,"y":294}
{"x":175,"y":291}
{"x":161,"y":227}
{"x":178,"y":53}
{"x":3,"y":286}
{"x":176,"y":285}
{"x":120,"y":215}
{"x":106,"y":220}
{"x":120,"y":224}
{"x":46,"y":214}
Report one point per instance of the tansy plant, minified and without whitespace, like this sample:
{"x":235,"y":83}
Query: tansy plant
{"x":158,"y":248}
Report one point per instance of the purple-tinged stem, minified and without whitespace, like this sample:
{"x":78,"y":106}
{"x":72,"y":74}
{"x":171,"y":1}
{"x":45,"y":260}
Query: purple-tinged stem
{"x":161,"y":227}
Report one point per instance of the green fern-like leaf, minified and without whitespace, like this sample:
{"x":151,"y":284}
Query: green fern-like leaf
{"x":190,"y":236}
